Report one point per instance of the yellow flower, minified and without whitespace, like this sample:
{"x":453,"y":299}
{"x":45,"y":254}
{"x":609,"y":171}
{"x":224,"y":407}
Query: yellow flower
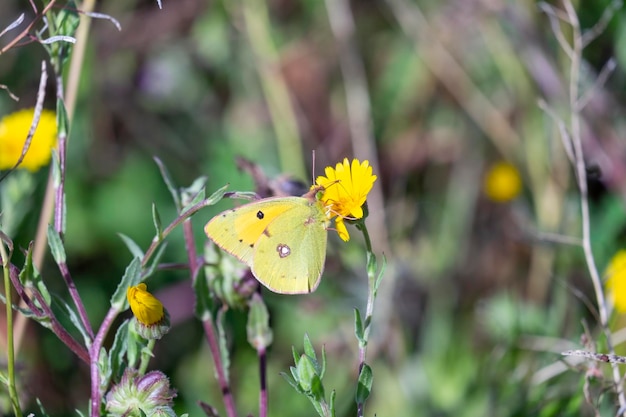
{"x":345,"y":191}
{"x":616,"y":280}
{"x":146,"y":307}
{"x":502,"y":182}
{"x":13,"y":132}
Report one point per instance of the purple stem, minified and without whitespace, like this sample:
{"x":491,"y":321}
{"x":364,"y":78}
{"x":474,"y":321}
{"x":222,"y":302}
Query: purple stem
{"x":263,"y":397}
{"x":190,"y":245}
{"x":44,"y":311}
{"x":229,"y":402}
{"x":157,"y":240}
{"x":94,"y":353}
{"x":78,"y":302}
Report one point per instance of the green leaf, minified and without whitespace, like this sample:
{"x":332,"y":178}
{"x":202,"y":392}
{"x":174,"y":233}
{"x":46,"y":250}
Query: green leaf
{"x":156,"y":259}
{"x":131,"y":277}
{"x":333,"y":396}
{"x":292,"y":382}
{"x":118,"y":351}
{"x":296,"y":356}
{"x":134,"y":345}
{"x":323,"y":370}
{"x":308,"y":347}
{"x":380,"y":275}
{"x":156,"y":220}
{"x":294,"y":374}
{"x":205,"y":304}
{"x":359,"y":331}
{"x":306,"y":372}
{"x":193,"y":194}
{"x":169,"y":183}
{"x":217,"y":196}
{"x":103,"y":368}
{"x":198,"y":198}
{"x":42,"y":410}
{"x":56,"y":246}
{"x":133,"y":247}
{"x":31,"y":278}
{"x":317,"y":388}
{"x":63,"y":124}
{"x":372,"y":265}
{"x":221,"y":334}
{"x":69,"y":312}
{"x":258,"y":326}
{"x":364,"y":385}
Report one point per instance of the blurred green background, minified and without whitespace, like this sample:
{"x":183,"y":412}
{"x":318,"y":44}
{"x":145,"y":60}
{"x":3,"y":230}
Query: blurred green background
{"x":475,"y":306}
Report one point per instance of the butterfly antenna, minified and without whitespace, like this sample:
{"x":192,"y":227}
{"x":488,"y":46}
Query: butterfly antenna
{"x":313,"y":167}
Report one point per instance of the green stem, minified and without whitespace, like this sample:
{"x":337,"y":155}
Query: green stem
{"x":15,"y":402}
{"x":145,"y":356}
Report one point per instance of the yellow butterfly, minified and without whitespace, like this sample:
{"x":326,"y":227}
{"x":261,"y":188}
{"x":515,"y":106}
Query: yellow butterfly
{"x":282,"y":239}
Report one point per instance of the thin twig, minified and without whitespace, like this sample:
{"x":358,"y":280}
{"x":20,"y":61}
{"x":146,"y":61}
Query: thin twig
{"x":212,"y":339}
{"x":94,"y":354}
{"x":607,"y":70}
{"x":41,"y":95}
{"x":591,"y":34}
{"x":24,"y":33}
{"x":577,"y":47}
{"x":554,"y":16}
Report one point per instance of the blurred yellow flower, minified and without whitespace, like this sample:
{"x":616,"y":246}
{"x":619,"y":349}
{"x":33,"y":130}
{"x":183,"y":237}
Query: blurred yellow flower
{"x":146,"y":307}
{"x":502,"y":182}
{"x":13,"y":132}
{"x":345,"y":190}
{"x":616,"y":280}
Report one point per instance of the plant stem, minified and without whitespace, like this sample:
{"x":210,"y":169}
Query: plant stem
{"x":15,"y":401}
{"x":263,"y":397}
{"x":581,"y":176}
{"x":369,"y":309}
{"x":94,"y":354}
{"x":229,"y":402}
{"x":157,"y":241}
{"x":146,"y":354}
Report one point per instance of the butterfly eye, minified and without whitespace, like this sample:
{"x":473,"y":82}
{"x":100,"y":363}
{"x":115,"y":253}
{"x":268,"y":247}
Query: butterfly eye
{"x":260,"y":215}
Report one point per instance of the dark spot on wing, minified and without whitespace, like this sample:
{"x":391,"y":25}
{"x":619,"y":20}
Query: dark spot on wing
{"x":260,"y":215}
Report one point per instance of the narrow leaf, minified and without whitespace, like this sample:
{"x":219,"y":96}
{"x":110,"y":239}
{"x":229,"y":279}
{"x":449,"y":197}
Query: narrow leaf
{"x":308,"y":347}
{"x":131,"y":277}
{"x":156,"y":259}
{"x":364,"y":386}
{"x":358,"y":327}
{"x":132,"y":246}
{"x":223,"y":345}
{"x":56,"y":246}
{"x":156,"y":220}
{"x":258,"y":325}
{"x":205,"y":304}
{"x":116,"y":356}
{"x":169,"y":183}
{"x":380,"y":275}
{"x":73,"y":317}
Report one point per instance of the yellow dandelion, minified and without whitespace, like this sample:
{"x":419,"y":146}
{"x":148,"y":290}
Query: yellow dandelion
{"x":13,"y":132}
{"x":146,"y":307}
{"x":502,"y":183}
{"x":345,"y":190}
{"x":616,"y":280}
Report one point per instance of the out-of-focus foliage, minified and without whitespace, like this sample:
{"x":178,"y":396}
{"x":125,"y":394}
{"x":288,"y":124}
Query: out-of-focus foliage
{"x":478,"y":300}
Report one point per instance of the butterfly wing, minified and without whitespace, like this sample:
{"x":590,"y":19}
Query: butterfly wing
{"x":289,"y":255}
{"x":237,"y":230}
